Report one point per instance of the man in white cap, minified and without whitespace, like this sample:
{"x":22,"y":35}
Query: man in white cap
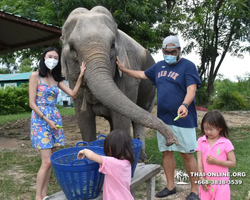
{"x":176,"y":80}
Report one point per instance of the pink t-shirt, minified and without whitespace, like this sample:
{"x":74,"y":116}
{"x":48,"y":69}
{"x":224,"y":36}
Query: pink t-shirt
{"x":219,"y":150}
{"x":117,"y":178}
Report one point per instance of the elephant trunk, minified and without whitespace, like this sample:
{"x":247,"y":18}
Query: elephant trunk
{"x":98,"y":79}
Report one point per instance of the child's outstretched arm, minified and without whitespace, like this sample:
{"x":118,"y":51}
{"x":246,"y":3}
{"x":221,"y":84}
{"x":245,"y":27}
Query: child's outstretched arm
{"x":90,"y":155}
{"x":230,"y":162}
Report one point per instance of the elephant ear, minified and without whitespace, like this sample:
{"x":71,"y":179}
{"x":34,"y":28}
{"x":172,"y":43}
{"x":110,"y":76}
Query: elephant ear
{"x":66,"y":31}
{"x":65,"y":71}
{"x":121,"y":53}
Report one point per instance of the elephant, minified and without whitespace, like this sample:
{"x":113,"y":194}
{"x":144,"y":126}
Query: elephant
{"x":92,"y":36}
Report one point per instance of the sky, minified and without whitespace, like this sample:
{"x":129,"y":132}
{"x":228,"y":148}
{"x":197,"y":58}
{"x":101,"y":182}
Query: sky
{"x":230,"y":67}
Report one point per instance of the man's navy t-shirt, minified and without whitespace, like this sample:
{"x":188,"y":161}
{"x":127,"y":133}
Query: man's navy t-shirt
{"x":171,"y":82}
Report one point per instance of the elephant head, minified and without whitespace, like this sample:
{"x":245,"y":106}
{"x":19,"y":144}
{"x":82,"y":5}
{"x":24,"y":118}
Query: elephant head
{"x":92,"y":36}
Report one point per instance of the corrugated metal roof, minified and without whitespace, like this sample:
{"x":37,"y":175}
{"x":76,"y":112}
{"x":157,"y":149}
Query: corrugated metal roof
{"x":19,"y":33}
{"x":17,"y":76}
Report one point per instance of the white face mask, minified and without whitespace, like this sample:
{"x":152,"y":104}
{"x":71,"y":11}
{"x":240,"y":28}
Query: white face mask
{"x":51,"y":63}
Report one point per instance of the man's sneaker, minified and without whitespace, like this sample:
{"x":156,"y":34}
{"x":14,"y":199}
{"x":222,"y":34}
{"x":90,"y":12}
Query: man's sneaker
{"x":165,"y":192}
{"x":192,"y":196}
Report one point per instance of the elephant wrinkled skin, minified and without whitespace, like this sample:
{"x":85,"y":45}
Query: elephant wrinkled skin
{"x":92,"y":36}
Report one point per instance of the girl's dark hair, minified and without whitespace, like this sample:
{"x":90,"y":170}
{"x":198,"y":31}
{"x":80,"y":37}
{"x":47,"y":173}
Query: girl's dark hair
{"x":215,"y":119}
{"x":44,"y":71}
{"x":120,"y":144}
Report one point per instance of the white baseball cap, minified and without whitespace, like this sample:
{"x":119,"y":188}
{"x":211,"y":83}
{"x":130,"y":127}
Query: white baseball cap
{"x":171,"y":40}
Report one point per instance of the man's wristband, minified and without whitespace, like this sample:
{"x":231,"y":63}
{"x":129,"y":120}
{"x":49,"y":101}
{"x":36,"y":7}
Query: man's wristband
{"x":184,"y":104}
{"x":42,"y":116}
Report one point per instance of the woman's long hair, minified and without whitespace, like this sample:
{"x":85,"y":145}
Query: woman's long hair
{"x":44,"y":71}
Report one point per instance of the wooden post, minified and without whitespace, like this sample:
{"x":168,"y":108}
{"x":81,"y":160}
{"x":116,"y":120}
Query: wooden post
{"x":151,"y":188}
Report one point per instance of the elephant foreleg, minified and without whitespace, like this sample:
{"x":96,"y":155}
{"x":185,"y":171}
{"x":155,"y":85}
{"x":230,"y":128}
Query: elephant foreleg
{"x":87,"y":124}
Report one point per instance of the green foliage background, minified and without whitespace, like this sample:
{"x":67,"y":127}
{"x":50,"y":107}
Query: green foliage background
{"x":14,"y":100}
{"x":232,"y":95}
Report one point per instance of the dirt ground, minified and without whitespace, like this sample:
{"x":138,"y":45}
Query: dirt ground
{"x":13,"y":135}
{"x":16,"y":135}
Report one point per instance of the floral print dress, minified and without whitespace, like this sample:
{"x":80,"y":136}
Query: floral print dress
{"x":42,"y":136}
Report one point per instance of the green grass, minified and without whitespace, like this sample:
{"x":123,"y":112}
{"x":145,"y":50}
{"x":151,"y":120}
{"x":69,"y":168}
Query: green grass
{"x":10,"y":118}
{"x":155,"y":157}
{"x":18,"y":172}
{"x":240,"y":138}
{"x":67,"y":110}
{"x":19,"y":168}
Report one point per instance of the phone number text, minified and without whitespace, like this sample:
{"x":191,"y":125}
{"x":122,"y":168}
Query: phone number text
{"x":219,"y":182}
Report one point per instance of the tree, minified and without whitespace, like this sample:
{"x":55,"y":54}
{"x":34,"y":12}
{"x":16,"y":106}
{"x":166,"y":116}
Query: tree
{"x":146,"y":21}
{"x":5,"y":71}
{"x":214,"y":28}
{"x":25,"y":66}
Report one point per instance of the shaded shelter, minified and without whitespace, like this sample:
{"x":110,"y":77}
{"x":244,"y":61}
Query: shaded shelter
{"x":17,"y":33}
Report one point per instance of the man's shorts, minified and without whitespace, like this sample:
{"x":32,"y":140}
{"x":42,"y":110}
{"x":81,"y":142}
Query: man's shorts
{"x":186,"y":138}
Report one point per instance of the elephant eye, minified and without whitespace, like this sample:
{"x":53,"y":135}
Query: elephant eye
{"x":113,"y":46}
{"x":73,"y":52}
{"x":71,"y":47}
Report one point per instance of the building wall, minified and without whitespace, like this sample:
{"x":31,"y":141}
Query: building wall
{"x":63,"y":97}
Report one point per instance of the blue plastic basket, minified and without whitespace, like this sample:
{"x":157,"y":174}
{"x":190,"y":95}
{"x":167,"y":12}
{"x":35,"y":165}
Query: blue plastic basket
{"x":137,"y":145}
{"x":79,"y":178}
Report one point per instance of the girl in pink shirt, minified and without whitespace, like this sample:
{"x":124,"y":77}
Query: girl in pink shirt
{"x":215,"y":155}
{"x":116,"y":165}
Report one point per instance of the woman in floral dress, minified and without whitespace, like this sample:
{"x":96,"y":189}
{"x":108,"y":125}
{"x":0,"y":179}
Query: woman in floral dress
{"x":43,"y":91}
